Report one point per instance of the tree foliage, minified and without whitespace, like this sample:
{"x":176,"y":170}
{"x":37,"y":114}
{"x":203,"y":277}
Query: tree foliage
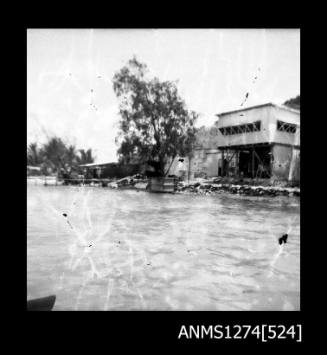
{"x":34,"y":155}
{"x":155,"y":123}
{"x":55,"y":152}
{"x":55,"y":155}
{"x":293,"y":102}
{"x":85,"y":157}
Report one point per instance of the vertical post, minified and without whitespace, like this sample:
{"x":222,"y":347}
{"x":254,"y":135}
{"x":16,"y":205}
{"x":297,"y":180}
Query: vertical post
{"x":228,"y":163}
{"x":189,"y":168}
{"x":271,"y":160}
{"x":223,"y":163}
{"x":252,"y":162}
{"x":237,"y":170}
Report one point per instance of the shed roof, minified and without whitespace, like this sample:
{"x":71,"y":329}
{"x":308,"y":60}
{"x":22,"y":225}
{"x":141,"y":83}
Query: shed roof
{"x":90,"y":165}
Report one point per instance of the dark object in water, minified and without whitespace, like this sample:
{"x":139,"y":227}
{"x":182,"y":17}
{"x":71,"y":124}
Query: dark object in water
{"x":41,"y":304}
{"x":150,"y":173}
{"x":64,"y":214}
{"x":282,"y":239}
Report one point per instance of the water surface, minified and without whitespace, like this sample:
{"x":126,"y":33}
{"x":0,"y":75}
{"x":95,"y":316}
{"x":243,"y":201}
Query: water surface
{"x":129,"y":250}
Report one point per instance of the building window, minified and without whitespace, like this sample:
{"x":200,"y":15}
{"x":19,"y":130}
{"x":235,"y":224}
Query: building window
{"x":286,"y":127}
{"x":240,"y":129}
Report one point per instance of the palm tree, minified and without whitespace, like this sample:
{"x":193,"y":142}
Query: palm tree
{"x":71,"y":157}
{"x":85,"y":157}
{"x":54,"y":153}
{"x":33,"y":155}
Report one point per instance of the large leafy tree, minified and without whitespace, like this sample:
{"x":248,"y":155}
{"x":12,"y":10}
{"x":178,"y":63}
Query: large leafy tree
{"x":155,"y":123}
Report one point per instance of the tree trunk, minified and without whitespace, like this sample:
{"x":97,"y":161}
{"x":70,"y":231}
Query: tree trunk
{"x":189,"y":167}
{"x":161,"y":166}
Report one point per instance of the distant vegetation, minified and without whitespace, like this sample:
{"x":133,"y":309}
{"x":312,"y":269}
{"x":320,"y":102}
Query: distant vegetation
{"x":293,"y":103}
{"x":55,"y":155}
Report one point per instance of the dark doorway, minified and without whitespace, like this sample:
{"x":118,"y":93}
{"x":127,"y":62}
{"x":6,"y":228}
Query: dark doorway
{"x":262,"y":162}
{"x":255,"y":162}
{"x":245,"y":163}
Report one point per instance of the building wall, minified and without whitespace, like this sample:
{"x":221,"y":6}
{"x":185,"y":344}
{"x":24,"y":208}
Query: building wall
{"x":263,"y":114}
{"x":268,"y":115}
{"x":189,"y":168}
{"x":280,"y":114}
{"x":198,"y":163}
{"x":206,"y":153}
{"x":297,"y":137}
{"x":179,"y":168}
{"x":282,"y":160}
{"x":294,"y":174}
{"x":211,"y":164}
{"x":204,"y":163}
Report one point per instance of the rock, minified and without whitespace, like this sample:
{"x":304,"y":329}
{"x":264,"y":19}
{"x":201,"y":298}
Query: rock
{"x":123,"y":181}
{"x":138,"y":177}
{"x":104,"y":183}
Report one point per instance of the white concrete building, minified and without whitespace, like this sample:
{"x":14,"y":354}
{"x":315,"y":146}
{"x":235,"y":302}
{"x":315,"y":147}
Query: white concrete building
{"x":255,"y":142}
{"x":264,"y":140}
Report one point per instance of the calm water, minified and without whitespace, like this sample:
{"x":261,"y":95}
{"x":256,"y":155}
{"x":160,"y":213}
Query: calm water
{"x":129,"y":250}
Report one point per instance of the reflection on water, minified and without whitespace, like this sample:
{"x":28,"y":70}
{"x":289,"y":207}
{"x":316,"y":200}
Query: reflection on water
{"x":129,"y":250}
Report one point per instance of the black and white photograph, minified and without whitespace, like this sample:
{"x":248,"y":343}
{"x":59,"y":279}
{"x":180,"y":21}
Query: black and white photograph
{"x":163,"y":169}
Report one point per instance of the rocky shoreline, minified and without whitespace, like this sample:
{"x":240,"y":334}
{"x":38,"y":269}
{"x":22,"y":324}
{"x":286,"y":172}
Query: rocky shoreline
{"x":216,"y":186}
{"x":200,"y":186}
{"x":250,"y":190}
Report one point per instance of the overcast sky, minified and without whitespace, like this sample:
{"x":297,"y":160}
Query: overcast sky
{"x":215,"y":69}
